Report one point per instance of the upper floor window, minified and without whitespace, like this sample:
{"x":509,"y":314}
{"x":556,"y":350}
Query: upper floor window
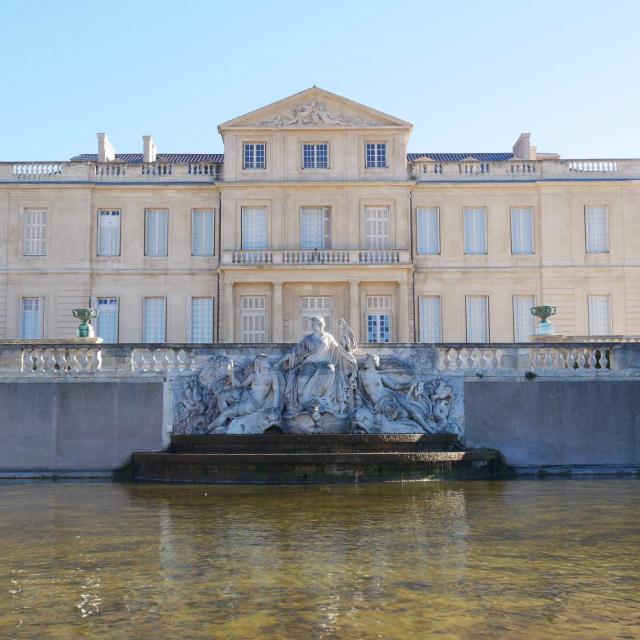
{"x":108,"y":232}
{"x":522,"y":230}
{"x":428,"y":231}
{"x":156,"y":230}
{"x":376,"y":155}
{"x":107,"y":320}
{"x":475,"y":230}
{"x":35,"y":232}
{"x":32,"y":318}
{"x":254,"y":155}
{"x":315,"y":228}
{"x":315,"y":155}
{"x":596,"y":220}
{"x":376,"y":232}
{"x":202,"y":232}
{"x":254,"y":228}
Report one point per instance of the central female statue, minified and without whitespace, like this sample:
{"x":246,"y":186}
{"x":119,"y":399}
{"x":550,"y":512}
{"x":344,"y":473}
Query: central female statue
{"x":319,"y":372}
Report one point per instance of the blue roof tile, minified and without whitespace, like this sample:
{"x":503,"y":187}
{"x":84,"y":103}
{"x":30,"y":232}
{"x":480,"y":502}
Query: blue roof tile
{"x":136,"y":158}
{"x":459,"y":157}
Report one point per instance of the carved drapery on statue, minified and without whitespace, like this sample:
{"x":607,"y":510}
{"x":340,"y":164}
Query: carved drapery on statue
{"x":316,"y":114}
{"x":320,"y":387}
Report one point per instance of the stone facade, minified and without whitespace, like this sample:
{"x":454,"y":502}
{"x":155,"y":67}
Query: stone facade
{"x":316,"y":208}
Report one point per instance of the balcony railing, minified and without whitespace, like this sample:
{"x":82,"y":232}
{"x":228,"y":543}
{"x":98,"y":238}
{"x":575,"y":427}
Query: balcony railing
{"x":428,"y":170}
{"x":317,"y":257}
{"x":109,"y":172}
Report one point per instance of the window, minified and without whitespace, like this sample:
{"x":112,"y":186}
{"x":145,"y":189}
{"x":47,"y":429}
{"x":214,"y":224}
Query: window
{"x":522,"y":232}
{"x":376,"y":155}
{"x":428,"y":231}
{"x":107,"y":320}
{"x":253,"y":317}
{"x":315,"y":155}
{"x":599,"y":315}
{"x":376,"y":221}
{"x":475,"y":230}
{"x":155,"y":320}
{"x":315,"y":228}
{"x":430,"y":318}
{"x":108,"y":232}
{"x":32,"y":318}
{"x":596,"y":229}
{"x":254,"y":228}
{"x":202,"y":320}
{"x":35,"y":232}
{"x":254,"y":156}
{"x":315,"y":306}
{"x":156,"y":232}
{"x":202,"y":232}
{"x":378,"y":318}
{"x":523,"y":321}
{"x":477,"y":308}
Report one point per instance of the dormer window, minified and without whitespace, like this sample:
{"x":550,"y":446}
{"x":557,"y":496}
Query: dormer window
{"x":254,"y":155}
{"x":376,"y":155}
{"x":315,"y":155}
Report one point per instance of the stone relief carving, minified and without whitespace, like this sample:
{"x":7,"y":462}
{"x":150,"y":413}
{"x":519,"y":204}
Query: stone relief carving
{"x":320,"y":387}
{"x":315,"y":113}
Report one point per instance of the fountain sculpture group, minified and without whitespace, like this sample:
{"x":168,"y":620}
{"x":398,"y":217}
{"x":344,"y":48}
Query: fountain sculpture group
{"x":319,"y":387}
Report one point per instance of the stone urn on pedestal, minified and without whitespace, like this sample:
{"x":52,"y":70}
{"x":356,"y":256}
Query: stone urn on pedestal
{"x":545,"y":328}
{"x":85,"y":329}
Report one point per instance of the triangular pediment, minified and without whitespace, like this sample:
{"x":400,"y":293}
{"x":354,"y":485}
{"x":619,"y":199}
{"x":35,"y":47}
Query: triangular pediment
{"x":314,"y":108}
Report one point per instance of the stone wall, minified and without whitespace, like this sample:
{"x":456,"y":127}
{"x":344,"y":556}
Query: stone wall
{"x":76,"y":426}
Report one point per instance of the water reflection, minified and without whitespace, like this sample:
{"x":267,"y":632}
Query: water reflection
{"x":374,"y":561}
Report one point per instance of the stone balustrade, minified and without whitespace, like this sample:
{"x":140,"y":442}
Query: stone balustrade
{"x":428,"y":170}
{"x":317,"y":257}
{"x":606,"y":357}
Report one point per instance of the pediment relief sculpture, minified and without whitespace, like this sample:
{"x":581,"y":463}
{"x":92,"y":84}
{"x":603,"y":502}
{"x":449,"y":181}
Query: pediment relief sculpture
{"x":320,"y":387}
{"x":314,"y":114}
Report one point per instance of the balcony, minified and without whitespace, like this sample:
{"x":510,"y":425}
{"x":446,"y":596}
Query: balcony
{"x":317,"y":257}
{"x":108,"y":172}
{"x":425,"y":170}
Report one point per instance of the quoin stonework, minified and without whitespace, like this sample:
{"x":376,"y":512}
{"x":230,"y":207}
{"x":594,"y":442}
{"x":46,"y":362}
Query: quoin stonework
{"x":316,"y":208}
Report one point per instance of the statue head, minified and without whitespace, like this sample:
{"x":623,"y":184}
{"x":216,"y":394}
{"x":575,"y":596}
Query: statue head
{"x":372,"y":361}
{"x":261,"y":362}
{"x":317,"y":324}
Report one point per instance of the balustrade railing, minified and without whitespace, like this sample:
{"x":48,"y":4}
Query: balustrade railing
{"x":161,"y":359}
{"x":251,"y":257}
{"x":317,"y":257}
{"x":61,"y":360}
{"x":36,"y":170}
{"x":379,"y":256}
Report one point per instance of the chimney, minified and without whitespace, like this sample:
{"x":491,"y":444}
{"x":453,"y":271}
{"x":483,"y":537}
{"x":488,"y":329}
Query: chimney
{"x":106,"y":153}
{"x":522,"y":149}
{"x":149,"y":149}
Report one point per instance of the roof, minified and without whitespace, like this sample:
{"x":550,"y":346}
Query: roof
{"x":459,"y":157}
{"x":186,"y":158}
{"x":137,"y":158}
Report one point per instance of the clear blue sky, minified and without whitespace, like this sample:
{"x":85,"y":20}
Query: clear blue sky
{"x":470,"y":76}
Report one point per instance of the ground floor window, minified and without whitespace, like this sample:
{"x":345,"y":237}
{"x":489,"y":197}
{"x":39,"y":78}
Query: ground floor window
{"x":253,"y":318}
{"x":430,"y":310}
{"x":378,"y":318}
{"x":523,"y":321}
{"x":154,"y":328}
{"x":599,"y":315}
{"x":107,"y":320}
{"x":202,"y":320}
{"x":32,"y":318}
{"x":477,"y":310}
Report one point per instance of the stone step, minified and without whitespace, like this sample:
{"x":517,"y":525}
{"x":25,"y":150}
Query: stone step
{"x":320,"y":443}
{"x":315,"y":467}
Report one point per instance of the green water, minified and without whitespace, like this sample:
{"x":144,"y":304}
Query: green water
{"x":520,"y":559}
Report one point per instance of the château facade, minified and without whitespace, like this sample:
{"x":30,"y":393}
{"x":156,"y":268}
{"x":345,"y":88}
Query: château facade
{"x":316,"y":207}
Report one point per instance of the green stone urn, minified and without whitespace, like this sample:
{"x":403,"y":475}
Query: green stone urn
{"x":85,"y":330}
{"x":545,"y":328}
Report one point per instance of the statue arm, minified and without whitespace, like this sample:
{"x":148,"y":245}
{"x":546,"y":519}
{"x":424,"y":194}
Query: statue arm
{"x":393,"y":384}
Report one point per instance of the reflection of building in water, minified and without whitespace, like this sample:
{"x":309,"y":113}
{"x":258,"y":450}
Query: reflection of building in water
{"x":316,"y":208}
